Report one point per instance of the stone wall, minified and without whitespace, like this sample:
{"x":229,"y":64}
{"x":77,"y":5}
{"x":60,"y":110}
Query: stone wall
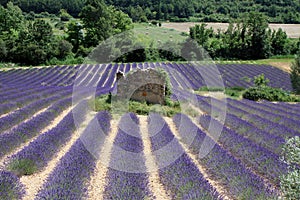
{"x":142,"y":85}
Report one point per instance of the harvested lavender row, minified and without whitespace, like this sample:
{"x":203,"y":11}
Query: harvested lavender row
{"x":265,"y":139}
{"x":28,"y":111}
{"x":260,"y":159}
{"x":70,"y":178}
{"x":293,"y":107}
{"x":273,"y":128}
{"x":290,"y":108}
{"x":274,"y":109}
{"x":278,"y":118}
{"x":286,"y":106}
{"x":27,"y":130}
{"x":269,"y":141}
{"x":181,"y":177}
{"x":10,"y":186}
{"x":39,"y":152}
{"x":239,"y":182}
{"x":125,"y":183}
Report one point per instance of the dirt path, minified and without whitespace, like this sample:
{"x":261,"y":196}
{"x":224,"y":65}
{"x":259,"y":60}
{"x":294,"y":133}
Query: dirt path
{"x":34,"y":182}
{"x":98,"y":181}
{"x":285,"y":66}
{"x":52,"y":124}
{"x":267,"y":183}
{"x":220,"y":189}
{"x":154,"y":183}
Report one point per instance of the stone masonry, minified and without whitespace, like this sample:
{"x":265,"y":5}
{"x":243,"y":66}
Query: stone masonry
{"x":142,"y":85}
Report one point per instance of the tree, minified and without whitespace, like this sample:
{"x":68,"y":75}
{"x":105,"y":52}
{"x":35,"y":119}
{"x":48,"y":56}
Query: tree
{"x":64,"y":15}
{"x":295,"y":73}
{"x":101,"y":22}
{"x":96,"y":21}
{"x":257,"y":25}
{"x":35,"y":44}
{"x":75,"y":34}
{"x":279,"y":40}
{"x":11,"y":18}
{"x":120,"y":21}
{"x":201,"y":34}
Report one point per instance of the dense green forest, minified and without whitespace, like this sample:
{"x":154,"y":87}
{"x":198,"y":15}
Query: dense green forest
{"x":29,"y":38}
{"x":278,"y":11}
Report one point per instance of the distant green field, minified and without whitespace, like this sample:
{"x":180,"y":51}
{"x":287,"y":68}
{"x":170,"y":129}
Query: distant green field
{"x":158,"y":34}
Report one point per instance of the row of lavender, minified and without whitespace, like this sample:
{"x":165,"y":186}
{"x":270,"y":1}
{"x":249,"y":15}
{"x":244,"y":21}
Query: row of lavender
{"x":196,"y":75}
{"x":254,"y":133}
{"x":70,"y":177}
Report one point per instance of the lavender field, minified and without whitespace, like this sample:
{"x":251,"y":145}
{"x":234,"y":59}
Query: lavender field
{"x":42,"y":155}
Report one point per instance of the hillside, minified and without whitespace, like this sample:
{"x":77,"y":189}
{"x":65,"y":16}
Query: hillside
{"x":283,"y":11}
{"x":209,"y":11}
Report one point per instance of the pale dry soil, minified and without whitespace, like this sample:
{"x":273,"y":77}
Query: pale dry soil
{"x":220,"y":189}
{"x":34,"y":182}
{"x":99,"y":179}
{"x":155,"y":185}
{"x":267,"y":183}
{"x":51,"y":125}
{"x":285,"y":66}
{"x":292,"y":30}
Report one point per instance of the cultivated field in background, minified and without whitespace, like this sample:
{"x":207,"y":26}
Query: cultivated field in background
{"x":292,"y":30}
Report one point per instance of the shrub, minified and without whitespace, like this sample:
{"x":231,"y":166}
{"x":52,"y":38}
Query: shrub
{"x":295,"y":74}
{"x":22,"y":167}
{"x":261,"y":91}
{"x":269,"y":94}
{"x":290,"y":183}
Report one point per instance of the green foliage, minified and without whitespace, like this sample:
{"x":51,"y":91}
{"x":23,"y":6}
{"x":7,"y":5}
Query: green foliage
{"x":209,"y":11}
{"x":248,"y":38}
{"x":53,"y":7}
{"x":262,"y":91}
{"x":269,"y":94}
{"x":290,"y":182}
{"x":210,"y":89}
{"x":64,"y":15}
{"x":261,"y":81}
{"x":295,"y":74}
{"x":234,"y":92}
{"x":101,"y":21}
{"x":141,"y":108}
{"x":22,"y":167}
{"x":176,"y":10}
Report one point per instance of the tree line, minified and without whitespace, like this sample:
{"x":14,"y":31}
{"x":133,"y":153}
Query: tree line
{"x":249,"y":38}
{"x":26,"y":39}
{"x":284,"y":11}
{"x":31,"y":41}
